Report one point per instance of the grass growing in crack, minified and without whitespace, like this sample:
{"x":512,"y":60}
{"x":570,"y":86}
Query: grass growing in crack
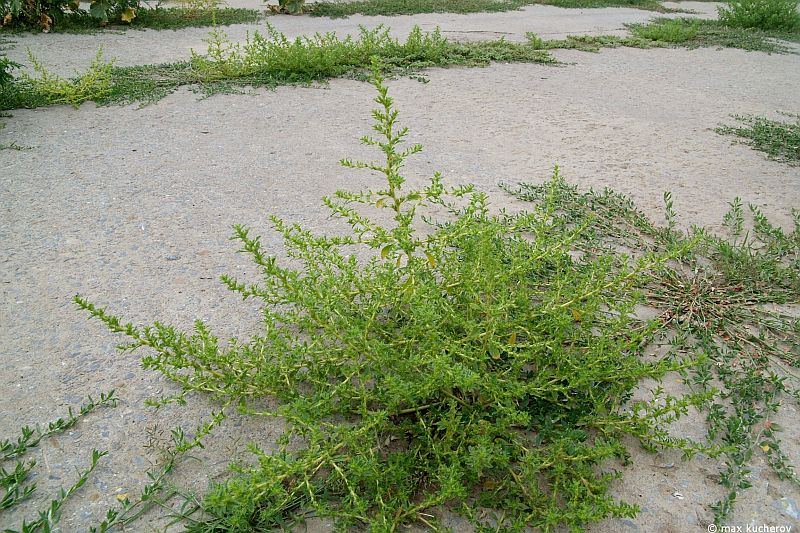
{"x":271,"y":60}
{"x":266,"y":61}
{"x":31,"y":437}
{"x":410,"y":7}
{"x":709,"y":33}
{"x":46,"y":88}
{"x":780,"y":140}
{"x":475,"y":363}
{"x":48,"y":519}
{"x":722,"y":299}
{"x":14,"y":483}
{"x":13,"y":145}
{"x":681,"y":32}
{"x":675,"y":31}
{"x":158,"y":492}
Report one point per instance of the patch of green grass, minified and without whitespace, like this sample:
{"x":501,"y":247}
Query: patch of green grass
{"x":710,"y":33}
{"x":273,"y":60}
{"x":674,"y":31}
{"x":780,"y":140}
{"x":172,"y":18}
{"x":591,"y":43}
{"x":683,"y":32}
{"x":410,"y":7}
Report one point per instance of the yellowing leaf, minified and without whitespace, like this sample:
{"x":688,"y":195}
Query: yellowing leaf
{"x":399,"y":260}
{"x":45,"y":22}
{"x":122,"y":497}
{"x":490,"y":484}
{"x":513,"y":338}
{"x":7,"y":18}
{"x":385,"y":251}
{"x":431,"y":260}
{"x":765,"y":447}
{"x":128,"y":15}
{"x":576,"y":315}
{"x":408,"y":286}
{"x":380,"y":202}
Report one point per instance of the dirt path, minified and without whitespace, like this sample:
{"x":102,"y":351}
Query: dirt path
{"x":133,"y":208}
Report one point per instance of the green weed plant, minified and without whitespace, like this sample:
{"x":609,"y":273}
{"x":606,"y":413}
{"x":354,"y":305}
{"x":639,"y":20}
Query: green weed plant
{"x":464,"y":359}
{"x":779,"y":139}
{"x":323,"y":56}
{"x":722,"y":298}
{"x":694,"y":33}
{"x":410,"y":7}
{"x":16,"y":485}
{"x":46,"y":88}
{"x":761,"y":14}
{"x":272,"y":59}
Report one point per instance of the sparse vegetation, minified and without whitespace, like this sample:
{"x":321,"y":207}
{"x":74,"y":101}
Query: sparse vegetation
{"x":264,"y":61}
{"x":173,"y":18}
{"x":688,"y":33}
{"x":780,"y":140}
{"x":722,"y":298}
{"x":15,"y":483}
{"x":273,"y":59}
{"x":410,"y":7}
{"x":694,"y":33}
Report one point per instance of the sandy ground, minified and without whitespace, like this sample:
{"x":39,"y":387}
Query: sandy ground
{"x":133,"y":208}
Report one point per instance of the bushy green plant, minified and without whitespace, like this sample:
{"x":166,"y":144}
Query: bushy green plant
{"x":675,"y":31}
{"x":48,"y":89}
{"x":317,"y":57}
{"x":469,"y":362}
{"x":761,"y":14}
